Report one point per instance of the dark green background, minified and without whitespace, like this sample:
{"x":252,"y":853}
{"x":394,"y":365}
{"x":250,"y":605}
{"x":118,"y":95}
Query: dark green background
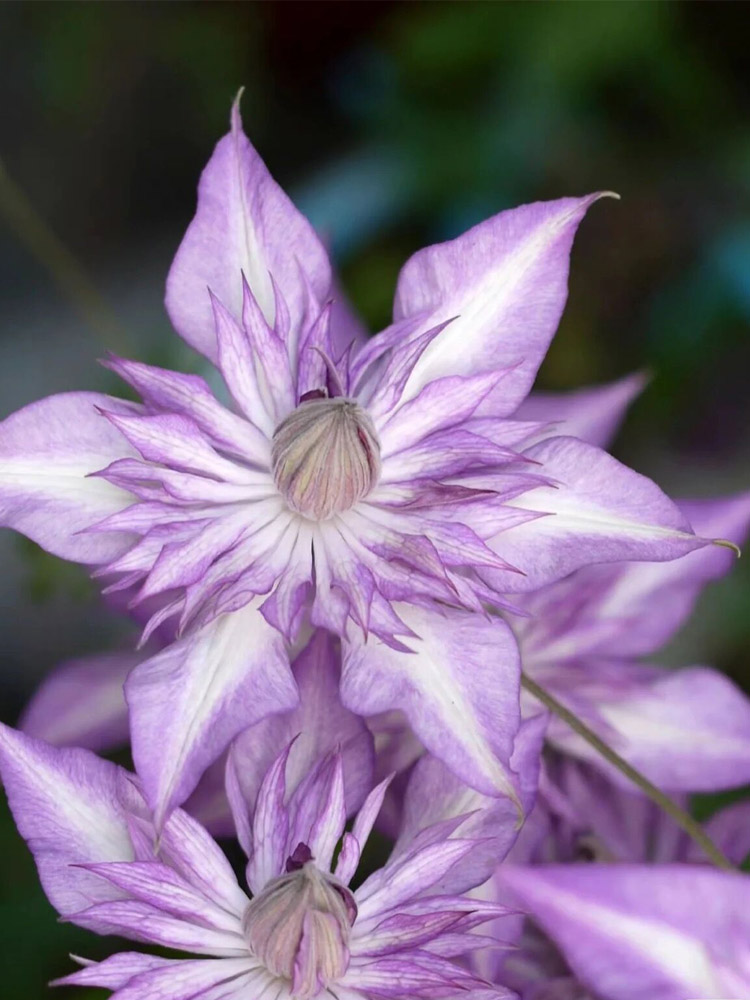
{"x":394,"y":125}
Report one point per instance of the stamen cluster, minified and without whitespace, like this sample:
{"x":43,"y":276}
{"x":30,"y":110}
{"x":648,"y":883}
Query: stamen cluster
{"x":299,"y":925}
{"x":325,"y":457}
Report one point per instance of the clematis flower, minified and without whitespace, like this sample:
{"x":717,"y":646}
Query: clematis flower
{"x":582,"y":821}
{"x":81,"y":702}
{"x":302,"y":932}
{"x":390,"y":492}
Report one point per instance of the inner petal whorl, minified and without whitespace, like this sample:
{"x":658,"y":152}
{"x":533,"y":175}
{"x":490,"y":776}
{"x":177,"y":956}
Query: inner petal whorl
{"x":325,"y":457}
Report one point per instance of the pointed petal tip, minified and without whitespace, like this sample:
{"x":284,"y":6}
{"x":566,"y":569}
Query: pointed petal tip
{"x":236,"y":117}
{"x":582,"y":204}
{"x":217,"y":306}
{"x":635,"y":382}
{"x":109,"y":360}
{"x":726,"y":544}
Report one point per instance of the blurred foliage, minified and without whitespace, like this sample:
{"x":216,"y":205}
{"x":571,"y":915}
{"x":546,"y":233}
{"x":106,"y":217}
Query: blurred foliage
{"x":48,"y":575}
{"x":396,"y":125}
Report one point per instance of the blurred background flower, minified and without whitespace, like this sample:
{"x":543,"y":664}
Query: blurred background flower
{"x":393,"y":125}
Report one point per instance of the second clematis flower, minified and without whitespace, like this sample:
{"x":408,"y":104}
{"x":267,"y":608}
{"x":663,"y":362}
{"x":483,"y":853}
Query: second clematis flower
{"x":391,"y":492}
{"x":628,"y":908}
{"x":301,"y":933}
{"x":620,"y":903}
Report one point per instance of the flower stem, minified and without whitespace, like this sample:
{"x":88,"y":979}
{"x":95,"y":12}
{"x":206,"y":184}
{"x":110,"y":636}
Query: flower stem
{"x":683,"y":819}
{"x":68,"y":274}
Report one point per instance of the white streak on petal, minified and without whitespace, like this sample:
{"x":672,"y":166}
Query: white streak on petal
{"x":48,"y":451}
{"x":66,"y":806}
{"x":188,"y":702}
{"x":505,"y":282}
{"x":459,"y":688}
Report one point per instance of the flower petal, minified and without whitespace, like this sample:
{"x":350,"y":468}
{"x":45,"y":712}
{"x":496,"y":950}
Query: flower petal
{"x":244,"y":224}
{"x":442,"y":403}
{"x":632,"y":609}
{"x":459,"y":688}
{"x":115,"y":971}
{"x":679,"y":584}
{"x":191,"y":851}
{"x":320,"y":723}
{"x":82,"y":703}
{"x":201,"y":979}
{"x":407,"y":878}
{"x":316,"y":810}
{"x":686,"y":730}
{"x":600,"y":511}
{"x":406,"y":930}
{"x":161,"y":887}
{"x":328,"y":826}
{"x":236,"y":360}
{"x":635,"y":933}
{"x":351,"y":850}
{"x":505,"y":281}
{"x":66,"y":806}
{"x":47,"y":452}
{"x":139,"y":921}
{"x":419,"y":974}
{"x":433,"y":794}
{"x":177,"y":442}
{"x":594,"y":415}
{"x":190,"y":395}
{"x":270,"y":826}
{"x":189,"y":701}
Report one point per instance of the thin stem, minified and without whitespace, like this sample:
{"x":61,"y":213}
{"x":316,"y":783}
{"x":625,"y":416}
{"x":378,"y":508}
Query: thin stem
{"x":683,"y":819}
{"x":67,"y":272}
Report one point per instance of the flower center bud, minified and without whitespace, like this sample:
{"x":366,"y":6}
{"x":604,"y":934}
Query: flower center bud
{"x":298,"y":926}
{"x":325,"y":456}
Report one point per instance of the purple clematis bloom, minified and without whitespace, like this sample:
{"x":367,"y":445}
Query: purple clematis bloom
{"x":302,"y":933}
{"x":81,"y":703}
{"x":391,"y":491}
{"x":575,"y":953}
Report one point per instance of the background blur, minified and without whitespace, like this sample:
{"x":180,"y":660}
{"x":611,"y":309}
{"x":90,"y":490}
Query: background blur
{"x":393,"y":125}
